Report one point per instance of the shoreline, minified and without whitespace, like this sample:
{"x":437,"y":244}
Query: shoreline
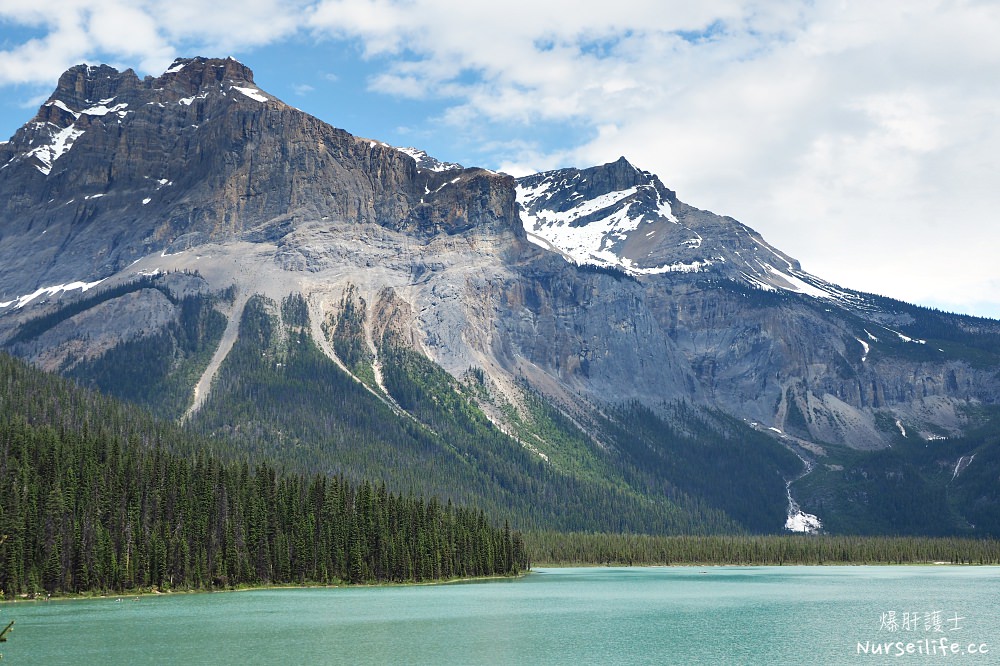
{"x":717,"y":565}
{"x":136,"y":595}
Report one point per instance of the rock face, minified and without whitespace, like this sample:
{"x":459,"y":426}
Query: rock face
{"x":113,"y":168}
{"x":624,"y":292}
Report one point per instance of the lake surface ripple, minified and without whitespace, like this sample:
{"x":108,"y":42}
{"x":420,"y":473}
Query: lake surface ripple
{"x":682,"y":615}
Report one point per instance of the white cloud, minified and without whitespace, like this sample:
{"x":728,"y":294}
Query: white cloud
{"x":44,"y":58}
{"x":131,"y":34}
{"x":145,"y":34}
{"x":224,"y":26}
{"x":860,"y":137}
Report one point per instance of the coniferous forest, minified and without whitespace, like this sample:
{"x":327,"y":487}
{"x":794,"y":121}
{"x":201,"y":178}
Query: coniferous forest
{"x":98,"y":497}
{"x":579,"y":548}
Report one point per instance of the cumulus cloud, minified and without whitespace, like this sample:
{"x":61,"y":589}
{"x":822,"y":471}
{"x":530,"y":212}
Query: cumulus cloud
{"x":145,"y":35}
{"x":859,"y":137}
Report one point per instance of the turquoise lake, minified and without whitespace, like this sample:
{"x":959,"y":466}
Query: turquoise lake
{"x":682,"y":615}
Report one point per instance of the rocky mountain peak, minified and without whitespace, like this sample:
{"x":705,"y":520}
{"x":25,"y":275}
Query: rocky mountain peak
{"x":84,"y":85}
{"x":618,"y":216}
{"x":590,"y":183}
{"x":618,"y":175}
{"x":562,"y":190}
{"x":114,"y":168}
{"x":587,"y":214}
{"x":193,"y":75}
{"x":425,"y":161}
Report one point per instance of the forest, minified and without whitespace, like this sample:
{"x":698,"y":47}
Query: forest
{"x":94,"y":497}
{"x":581,"y":548}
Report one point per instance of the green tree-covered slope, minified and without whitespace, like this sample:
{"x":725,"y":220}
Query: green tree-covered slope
{"x":97,"y":496}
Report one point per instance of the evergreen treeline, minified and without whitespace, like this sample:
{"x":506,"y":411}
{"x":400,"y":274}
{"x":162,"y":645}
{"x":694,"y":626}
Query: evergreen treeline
{"x":562,"y":548}
{"x":88,"y":503}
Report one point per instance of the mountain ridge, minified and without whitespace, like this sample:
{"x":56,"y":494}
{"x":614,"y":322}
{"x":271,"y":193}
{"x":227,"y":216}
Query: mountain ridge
{"x":596,"y":288}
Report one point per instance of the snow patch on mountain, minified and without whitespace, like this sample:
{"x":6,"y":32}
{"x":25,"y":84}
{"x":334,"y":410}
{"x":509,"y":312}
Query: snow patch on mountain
{"x":252,"y":93}
{"x":21,"y":301}
{"x":59,"y":104}
{"x":798,"y":520}
{"x":793,"y":282}
{"x":178,"y":65}
{"x":425,"y":161}
{"x":60,"y":142}
{"x":188,"y":101}
{"x":102,"y":109}
{"x":590,"y":243}
{"x":678,"y":267}
{"x":906,"y":338}
{"x":691,"y":243}
{"x":963,"y":462}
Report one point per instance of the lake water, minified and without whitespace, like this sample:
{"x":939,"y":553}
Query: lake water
{"x":683,"y":615}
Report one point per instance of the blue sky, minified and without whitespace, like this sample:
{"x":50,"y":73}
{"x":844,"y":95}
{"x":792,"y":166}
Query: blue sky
{"x":861,"y":138}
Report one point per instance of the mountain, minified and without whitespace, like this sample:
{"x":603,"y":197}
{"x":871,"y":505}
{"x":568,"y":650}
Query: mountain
{"x":621,"y":217}
{"x":578,"y":347}
{"x":825,"y":363}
